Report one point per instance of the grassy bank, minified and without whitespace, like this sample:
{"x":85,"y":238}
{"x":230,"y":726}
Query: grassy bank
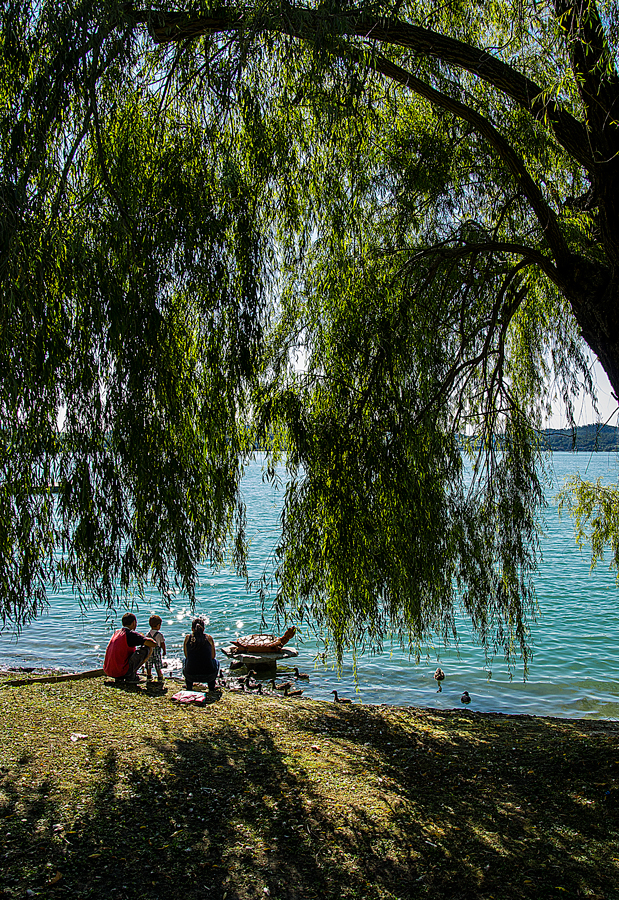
{"x":255,"y":797}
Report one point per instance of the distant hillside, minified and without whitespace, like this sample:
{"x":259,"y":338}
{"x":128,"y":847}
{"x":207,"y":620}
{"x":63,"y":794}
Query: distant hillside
{"x":588,"y":438}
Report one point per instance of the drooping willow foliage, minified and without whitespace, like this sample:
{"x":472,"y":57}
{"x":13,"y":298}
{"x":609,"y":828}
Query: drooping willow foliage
{"x":374,"y":235}
{"x":132,"y":313}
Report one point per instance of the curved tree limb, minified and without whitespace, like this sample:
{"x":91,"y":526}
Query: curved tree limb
{"x":301,"y":23}
{"x":544,"y":213}
{"x":527,"y":253}
{"x":570,"y":133}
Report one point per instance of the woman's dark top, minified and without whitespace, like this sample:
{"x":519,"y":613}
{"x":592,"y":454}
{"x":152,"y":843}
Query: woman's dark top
{"x":199,"y":663}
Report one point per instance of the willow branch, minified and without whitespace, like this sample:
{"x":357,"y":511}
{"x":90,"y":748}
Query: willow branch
{"x":512,"y":161}
{"x":594,"y":67}
{"x":527,"y":253}
{"x":306,"y":23}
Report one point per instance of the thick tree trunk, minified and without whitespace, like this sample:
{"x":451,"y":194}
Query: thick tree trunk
{"x":607,"y":191}
{"x":594,"y":298}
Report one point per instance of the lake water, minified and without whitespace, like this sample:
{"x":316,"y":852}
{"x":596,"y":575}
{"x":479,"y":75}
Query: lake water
{"x":574,"y":671}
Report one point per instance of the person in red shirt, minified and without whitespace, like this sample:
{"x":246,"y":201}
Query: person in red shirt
{"x":127,"y":651}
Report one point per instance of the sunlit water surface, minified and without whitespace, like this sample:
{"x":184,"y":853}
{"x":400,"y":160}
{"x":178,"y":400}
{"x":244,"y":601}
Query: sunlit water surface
{"x":574,"y":670}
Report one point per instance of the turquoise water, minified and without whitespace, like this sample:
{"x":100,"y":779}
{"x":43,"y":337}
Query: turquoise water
{"x":574,"y":671}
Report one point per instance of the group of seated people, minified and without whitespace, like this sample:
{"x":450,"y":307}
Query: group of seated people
{"x":129,"y":650}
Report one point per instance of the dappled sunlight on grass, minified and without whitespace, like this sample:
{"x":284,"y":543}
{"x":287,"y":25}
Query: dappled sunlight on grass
{"x":256,"y":797}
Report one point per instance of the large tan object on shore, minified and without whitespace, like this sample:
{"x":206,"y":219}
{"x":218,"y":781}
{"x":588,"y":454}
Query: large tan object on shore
{"x":262,"y":643}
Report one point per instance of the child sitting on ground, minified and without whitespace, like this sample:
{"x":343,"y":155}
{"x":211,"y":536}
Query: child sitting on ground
{"x":159,"y":650}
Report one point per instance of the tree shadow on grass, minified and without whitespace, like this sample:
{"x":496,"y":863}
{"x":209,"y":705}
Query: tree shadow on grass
{"x":452,"y":806}
{"x":491,"y":806}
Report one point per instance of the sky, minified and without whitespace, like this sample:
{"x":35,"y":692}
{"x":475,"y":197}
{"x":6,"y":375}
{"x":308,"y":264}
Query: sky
{"x":583,"y":410}
{"x":584,"y":413}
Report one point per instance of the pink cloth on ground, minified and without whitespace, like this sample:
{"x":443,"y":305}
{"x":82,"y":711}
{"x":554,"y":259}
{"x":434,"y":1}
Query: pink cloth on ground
{"x":190,"y":697}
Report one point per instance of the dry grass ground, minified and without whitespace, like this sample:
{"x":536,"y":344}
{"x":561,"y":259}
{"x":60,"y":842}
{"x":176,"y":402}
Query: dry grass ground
{"x":254,"y":797}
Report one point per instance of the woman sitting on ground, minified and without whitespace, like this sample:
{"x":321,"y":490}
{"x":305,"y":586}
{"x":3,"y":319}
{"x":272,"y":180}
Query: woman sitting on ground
{"x":200,"y":663}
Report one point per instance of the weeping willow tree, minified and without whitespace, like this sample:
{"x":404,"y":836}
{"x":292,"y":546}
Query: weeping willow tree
{"x":380,"y":235}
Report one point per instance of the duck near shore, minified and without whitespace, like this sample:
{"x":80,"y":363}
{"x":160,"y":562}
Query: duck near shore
{"x":439,"y":677}
{"x":281,"y":685}
{"x":292,"y":692}
{"x":338,"y":699}
{"x":250,"y":680}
